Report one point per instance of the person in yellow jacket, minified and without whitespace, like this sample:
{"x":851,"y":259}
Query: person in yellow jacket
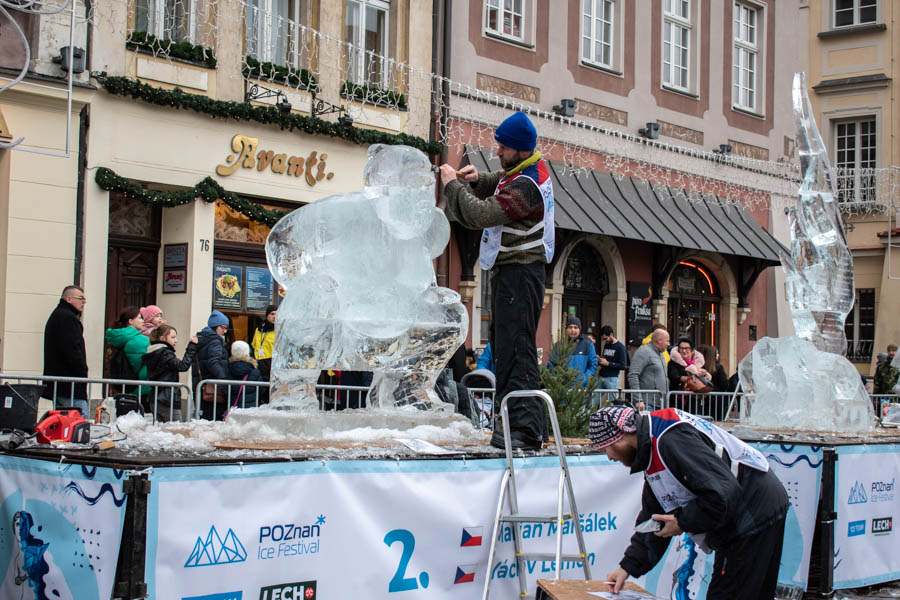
{"x":264,"y":341}
{"x":646,"y":340}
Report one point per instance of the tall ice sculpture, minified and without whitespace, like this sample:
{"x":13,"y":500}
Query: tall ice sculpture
{"x":360,"y":288}
{"x":805,"y":382}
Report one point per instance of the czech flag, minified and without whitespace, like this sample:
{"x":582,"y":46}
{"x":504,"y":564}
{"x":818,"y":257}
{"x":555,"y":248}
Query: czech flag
{"x":465,"y":574}
{"x":471,"y":536}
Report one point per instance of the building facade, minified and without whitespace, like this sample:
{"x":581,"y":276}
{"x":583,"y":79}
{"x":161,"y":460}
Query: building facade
{"x":687,"y":99}
{"x":162,"y":197}
{"x":853,"y":57}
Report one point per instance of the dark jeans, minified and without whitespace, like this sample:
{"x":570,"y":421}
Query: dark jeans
{"x":747,"y":569}
{"x":518,"y":296}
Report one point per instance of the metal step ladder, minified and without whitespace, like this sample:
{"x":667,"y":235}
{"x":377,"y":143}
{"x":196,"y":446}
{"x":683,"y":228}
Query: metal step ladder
{"x":515,"y":519}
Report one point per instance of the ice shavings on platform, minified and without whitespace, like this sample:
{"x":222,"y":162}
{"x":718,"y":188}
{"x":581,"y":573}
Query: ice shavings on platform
{"x":204,"y":437}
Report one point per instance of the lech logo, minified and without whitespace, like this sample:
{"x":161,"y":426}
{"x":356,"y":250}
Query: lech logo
{"x":216,"y":551}
{"x":882,"y":525}
{"x":857,"y":494}
{"x":298,"y":590}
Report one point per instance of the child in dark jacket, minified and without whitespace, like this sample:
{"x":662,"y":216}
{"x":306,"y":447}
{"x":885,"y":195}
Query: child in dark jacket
{"x":242,"y":367}
{"x":163,"y":365}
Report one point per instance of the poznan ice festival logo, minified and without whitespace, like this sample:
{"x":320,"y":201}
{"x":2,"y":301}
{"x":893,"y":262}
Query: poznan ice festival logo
{"x":857,"y":494}
{"x":216,"y":551}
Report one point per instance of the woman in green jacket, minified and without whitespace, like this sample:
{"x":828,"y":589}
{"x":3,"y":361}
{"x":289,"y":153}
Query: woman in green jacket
{"x":128,"y":338}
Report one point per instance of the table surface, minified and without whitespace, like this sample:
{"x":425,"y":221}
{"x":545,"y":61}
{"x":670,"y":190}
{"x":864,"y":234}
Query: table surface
{"x":572,"y":589}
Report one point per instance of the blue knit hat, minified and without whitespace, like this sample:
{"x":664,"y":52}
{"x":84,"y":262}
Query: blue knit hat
{"x":215,"y":319}
{"x":573,"y":320}
{"x":517,"y":132}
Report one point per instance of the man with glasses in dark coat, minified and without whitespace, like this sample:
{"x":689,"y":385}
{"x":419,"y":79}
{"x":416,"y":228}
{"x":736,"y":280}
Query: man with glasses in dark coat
{"x":64,"y":352}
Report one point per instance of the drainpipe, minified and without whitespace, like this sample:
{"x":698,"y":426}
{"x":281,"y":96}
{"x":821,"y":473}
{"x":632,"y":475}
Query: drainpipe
{"x":84,"y":118}
{"x":441,"y":10}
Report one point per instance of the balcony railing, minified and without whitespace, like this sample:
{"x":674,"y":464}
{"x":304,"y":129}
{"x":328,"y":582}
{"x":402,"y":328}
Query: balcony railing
{"x":867,"y":190}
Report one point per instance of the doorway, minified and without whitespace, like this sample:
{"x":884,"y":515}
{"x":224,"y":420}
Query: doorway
{"x":694,"y":304}
{"x":133,"y":255}
{"x":586,"y":283}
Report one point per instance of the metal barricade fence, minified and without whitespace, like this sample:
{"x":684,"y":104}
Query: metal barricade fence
{"x":652,"y":399}
{"x":66,"y":391}
{"x":717,"y":406}
{"x":484,"y":404}
{"x":878,"y":400}
{"x":229,"y":393}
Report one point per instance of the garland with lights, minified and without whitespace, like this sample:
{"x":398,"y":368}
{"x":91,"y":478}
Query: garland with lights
{"x":279,"y":74}
{"x":184,"y":50}
{"x":207,"y":190}
{"x":267,"y":115}
{"x":381,"y":97}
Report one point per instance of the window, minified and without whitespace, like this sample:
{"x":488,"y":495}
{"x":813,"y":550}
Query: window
{"x":505,"y":18}
{"x":677,"y":43}
{"x":855,"y":150}
{"x":860,"y":327}
{"x":597,"y":32}
{"x":854,"y":12}
{"x":166,"y":19}
{"x":366,"y":34}
{"x":746,"y":55}
{"x":273,"y":31}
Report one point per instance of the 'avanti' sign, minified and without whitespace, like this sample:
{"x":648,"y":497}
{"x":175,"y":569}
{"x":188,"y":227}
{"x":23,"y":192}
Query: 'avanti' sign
{"x":247,"y":156}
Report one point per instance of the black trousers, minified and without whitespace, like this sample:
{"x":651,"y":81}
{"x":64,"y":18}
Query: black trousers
{"x":748,"y":568}
{"x":518,"y":296}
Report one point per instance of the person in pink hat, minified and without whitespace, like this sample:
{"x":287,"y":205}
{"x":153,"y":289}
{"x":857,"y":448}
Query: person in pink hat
{"x":153,"y":318}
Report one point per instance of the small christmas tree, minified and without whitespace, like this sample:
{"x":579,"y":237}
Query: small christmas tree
{"x":564,"y":385}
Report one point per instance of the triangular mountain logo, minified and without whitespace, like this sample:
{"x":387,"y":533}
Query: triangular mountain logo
{"x":216,"y":551}
{"x":857,"y":494}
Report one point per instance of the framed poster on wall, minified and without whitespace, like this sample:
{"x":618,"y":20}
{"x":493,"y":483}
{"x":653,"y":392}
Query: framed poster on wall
{"x":259,"y":288}
{"x":640,"y":310}
{"x":175,"y":256}
{"x":228,"y":282}
{"x":174,"y":281}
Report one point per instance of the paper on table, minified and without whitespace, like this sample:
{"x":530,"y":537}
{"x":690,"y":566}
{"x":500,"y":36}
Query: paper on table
{"x":623,"y":595}
{"x":423,"y":447}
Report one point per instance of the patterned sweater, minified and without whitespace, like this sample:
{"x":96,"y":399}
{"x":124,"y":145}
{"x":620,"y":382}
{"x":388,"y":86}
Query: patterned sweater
{"x":518,"y":206}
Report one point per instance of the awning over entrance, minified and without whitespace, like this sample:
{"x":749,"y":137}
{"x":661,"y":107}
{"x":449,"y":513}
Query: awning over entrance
{"x":627,"y":207}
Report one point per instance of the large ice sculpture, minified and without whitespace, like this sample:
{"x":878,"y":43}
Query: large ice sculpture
{"x":360,"y":288}
{"x":791,"y":384}
{"x":819,"y":270}
{"x":805,"y":382}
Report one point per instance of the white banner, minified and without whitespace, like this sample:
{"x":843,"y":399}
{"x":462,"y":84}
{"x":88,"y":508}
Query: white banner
{"x":866,"y":499}
{"x":373,"y":529}
{"x":60,"y":528}
{"x":370,"y":529}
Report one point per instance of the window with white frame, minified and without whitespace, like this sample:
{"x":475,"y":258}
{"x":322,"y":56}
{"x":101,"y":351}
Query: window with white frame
{"x":855,"y":152}
{"x":505,"y":18}
{"x":677,"y":44}
{"x":366,"y":34}
{"x":854,"y":12}
{"x":166,"y":19}
{"x":274,"y":31}
{"x":745,"y":57}
{"x":860,"y":327}
{"x":597,"y":32}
